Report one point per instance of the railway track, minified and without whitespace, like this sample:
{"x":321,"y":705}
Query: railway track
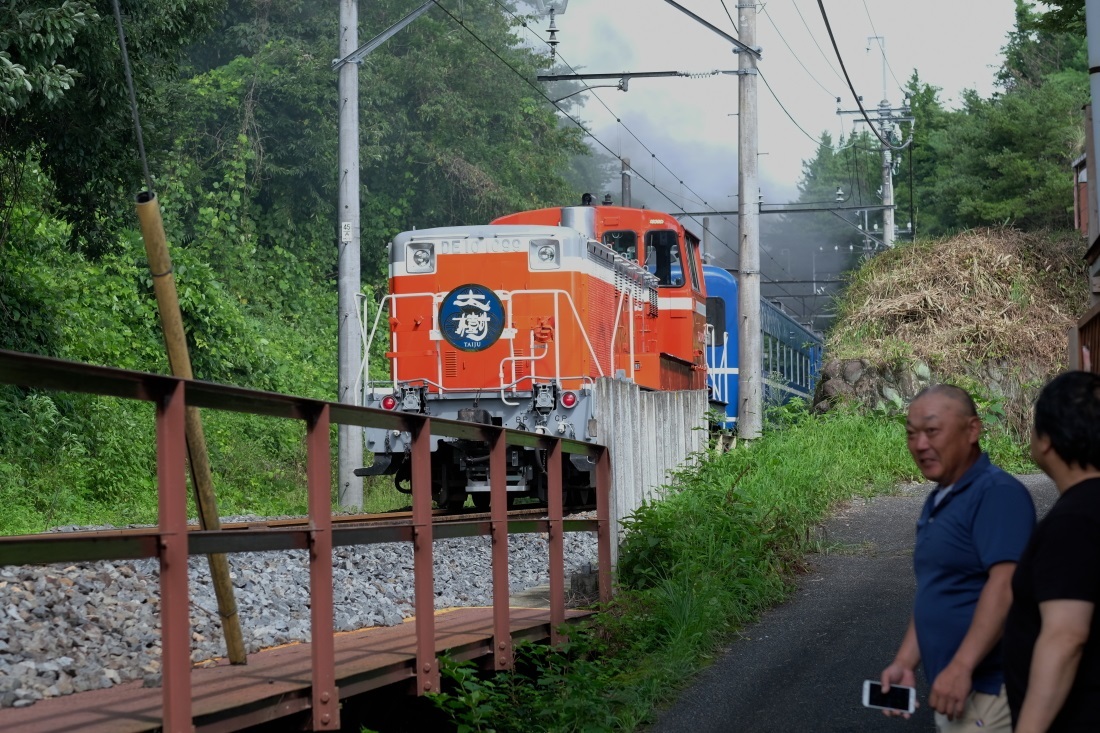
{"x":91,"y":625}
{"x":346,"y":521}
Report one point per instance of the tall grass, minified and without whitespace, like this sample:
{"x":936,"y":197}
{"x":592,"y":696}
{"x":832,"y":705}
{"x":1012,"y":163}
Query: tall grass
{"x":723,"y":545}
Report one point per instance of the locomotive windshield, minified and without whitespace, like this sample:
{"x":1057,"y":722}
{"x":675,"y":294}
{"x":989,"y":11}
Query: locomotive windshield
{"x":624,"y":242}
{"x":662,"y":251}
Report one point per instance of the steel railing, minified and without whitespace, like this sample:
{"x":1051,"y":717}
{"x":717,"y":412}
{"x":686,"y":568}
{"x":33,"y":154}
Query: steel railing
{"x":172,"y":543}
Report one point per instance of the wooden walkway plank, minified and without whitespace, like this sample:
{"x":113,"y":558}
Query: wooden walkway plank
{"x":276,"y":682}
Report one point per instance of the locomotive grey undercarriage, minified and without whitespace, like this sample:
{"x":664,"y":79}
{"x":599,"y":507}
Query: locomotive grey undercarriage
{"x":460,"y":467}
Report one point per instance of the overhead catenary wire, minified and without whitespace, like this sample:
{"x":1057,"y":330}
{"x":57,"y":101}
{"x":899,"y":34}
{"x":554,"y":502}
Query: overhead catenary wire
{"x":859,"y":102}
{"x":831,"y":93}
{"x":618,"y":120}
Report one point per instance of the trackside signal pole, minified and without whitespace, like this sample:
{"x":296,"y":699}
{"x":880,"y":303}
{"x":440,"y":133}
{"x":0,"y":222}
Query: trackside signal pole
{"x":749,"y":366}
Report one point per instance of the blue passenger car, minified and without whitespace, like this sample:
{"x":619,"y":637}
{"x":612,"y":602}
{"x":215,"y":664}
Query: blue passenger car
{"x":790,"y":353}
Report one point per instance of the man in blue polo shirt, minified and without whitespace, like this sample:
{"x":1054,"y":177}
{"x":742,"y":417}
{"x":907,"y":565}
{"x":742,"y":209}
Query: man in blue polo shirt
{"x":971,"y":532}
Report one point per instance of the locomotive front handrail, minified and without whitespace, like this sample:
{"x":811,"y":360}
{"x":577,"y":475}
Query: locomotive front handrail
{"x":506,"y":295}
{"x":576,"y":317}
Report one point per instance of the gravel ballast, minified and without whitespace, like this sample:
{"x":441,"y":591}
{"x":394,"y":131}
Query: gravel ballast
{"x":71,"y":628}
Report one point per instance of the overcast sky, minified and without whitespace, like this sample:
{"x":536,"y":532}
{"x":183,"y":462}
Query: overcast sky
{"x":688,"y":123}
{"x":691,"y":124}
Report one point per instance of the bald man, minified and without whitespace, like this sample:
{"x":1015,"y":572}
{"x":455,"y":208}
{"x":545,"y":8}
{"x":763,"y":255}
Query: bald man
{"x":974,"y":526}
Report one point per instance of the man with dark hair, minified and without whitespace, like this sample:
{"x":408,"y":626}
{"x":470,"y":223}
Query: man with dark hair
{"x":972,"y":530}
{"x":1052,"y":637}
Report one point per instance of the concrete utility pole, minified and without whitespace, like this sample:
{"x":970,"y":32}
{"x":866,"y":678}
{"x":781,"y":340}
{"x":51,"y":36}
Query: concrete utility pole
{"x":350,"y":345}
{"x":626,"y":181}
{"x":750,"y":411}
{"x":1092,"y":31}
{"x":887,"y":155}
{"x":350,"y":455}
{"x":884,"y":119}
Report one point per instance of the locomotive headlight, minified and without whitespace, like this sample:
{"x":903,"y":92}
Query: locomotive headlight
{"x":545,"y":254}
{"x":420,"y":257}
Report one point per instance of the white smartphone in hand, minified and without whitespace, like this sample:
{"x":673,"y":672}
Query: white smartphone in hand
{"x":899,"y":698}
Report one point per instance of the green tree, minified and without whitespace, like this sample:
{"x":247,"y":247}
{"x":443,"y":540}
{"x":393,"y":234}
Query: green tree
{"x":63,"y":96}
{"x":1004,"y":159}
{"x":916,"y":198}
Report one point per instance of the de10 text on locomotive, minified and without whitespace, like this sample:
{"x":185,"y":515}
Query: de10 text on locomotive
{"x":512,"y":323}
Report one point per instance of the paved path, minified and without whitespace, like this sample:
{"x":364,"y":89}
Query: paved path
{"x":801,"y":668}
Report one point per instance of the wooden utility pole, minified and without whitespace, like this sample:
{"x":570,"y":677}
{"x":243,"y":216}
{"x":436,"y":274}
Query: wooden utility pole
{"x":750,"y":416}
{"x":179,"y":360}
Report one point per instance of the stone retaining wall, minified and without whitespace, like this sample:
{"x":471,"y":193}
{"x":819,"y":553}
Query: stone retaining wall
{"x":891,"y":387}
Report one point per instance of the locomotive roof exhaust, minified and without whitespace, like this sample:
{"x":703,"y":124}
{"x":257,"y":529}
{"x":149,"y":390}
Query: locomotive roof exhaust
{"x":581,"y":218}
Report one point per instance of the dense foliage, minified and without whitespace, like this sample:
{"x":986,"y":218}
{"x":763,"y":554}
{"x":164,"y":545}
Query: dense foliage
{"x":721,"y":547}
{"x":238,"y":105}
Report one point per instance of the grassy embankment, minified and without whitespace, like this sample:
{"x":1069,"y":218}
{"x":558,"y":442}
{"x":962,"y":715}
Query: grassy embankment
{"x":723,"y":546}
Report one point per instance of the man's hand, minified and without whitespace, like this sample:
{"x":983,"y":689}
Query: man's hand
{"x":897,"y":674}
{"x":951,"y":689}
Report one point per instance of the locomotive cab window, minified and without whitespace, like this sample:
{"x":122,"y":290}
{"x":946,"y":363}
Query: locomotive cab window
{"x":662,"y":257}
{"x":693,"y":268}
{"x":716,"y":319}
{"x":623,"y":242}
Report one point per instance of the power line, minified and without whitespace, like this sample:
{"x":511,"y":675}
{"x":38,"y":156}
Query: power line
{"x":881,"y":46}
{"x":618,"y":120}
{"x":789,"y":116}
{"x":732,"y":21}
{"x":543,"y":94}
{"x":831,"y":94}
{"x":859,"y":100}
{"x":813,"y":37}
{"x":653,"y":156}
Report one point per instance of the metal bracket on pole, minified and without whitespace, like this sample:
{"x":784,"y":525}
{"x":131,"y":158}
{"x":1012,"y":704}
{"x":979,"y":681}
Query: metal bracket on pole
{"x":357,"y":56}
{"x":740,"y":46}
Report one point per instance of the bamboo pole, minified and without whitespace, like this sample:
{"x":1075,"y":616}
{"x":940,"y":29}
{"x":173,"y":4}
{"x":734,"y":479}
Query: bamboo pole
{"x":164,"y":286}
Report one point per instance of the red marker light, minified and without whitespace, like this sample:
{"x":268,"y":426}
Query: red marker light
{"x":389,"y":402}
{"x":568,"y":400}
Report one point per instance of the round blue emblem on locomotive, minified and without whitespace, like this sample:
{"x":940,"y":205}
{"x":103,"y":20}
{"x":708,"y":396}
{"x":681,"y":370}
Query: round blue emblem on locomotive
{"x":471,"y":318}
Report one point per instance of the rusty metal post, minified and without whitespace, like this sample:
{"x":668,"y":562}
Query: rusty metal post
{"x":498,"y":531}
{"x":175,"y":622}
{"x":175,"y":341}
{"x":326,"y":703}
{"x":603,"y":522}
{"x":427,"y":664}
{"x":556,"y":539}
